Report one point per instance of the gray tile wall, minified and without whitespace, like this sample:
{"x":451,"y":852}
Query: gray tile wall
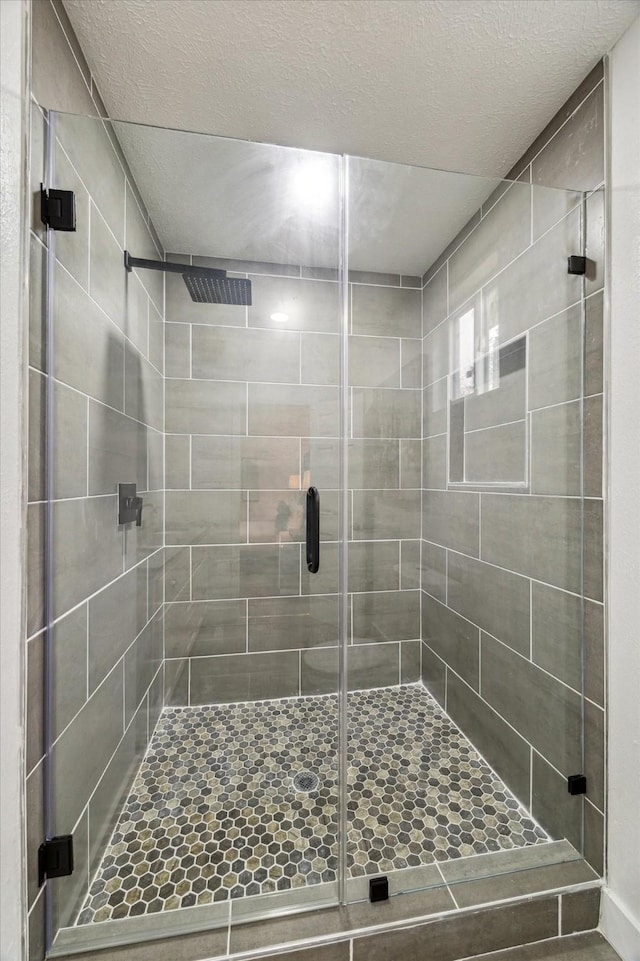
{"x":507,"y":573}
{"x":108,"y":411}
{"x":252,"y":419}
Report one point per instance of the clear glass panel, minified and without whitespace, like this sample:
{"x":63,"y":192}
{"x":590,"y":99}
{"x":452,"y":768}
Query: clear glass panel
{"x":192,"y":660}
{"x":424,"y":371}
{"x":467,"y":531}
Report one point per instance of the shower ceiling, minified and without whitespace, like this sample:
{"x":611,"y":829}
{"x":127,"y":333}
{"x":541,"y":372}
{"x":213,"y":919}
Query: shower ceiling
{"x":245,"y":201}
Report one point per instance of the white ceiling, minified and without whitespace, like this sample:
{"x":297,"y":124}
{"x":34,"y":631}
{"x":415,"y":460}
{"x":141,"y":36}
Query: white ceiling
{"x":455,"y":84}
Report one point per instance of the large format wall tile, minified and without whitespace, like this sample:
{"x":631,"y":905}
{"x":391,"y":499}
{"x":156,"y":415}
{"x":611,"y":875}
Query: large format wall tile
{"x":386,"y":311}
{"x":70,"y":664}
{"x":245,"y":677}
{"x":69,"y":423}
{"x":596,"y":240}
{"x":556,"y":450}
{"x":87,"y":144}
{"x":374,"y":464}
{"x":494,"y":599}
{"x":243,"y":463}
{"x":76,"y":770}
{"x":496,"y":454}
{"x":117,"y":450}
{"x":498,"y":238}
{"x":293,"y":623}
{"x":374,"y":566}
{"x":72,"y":249}
{"x":205,"y":517}
{"x":504,"y":405}
{"x":226,"y":353}
{"x":320,"y":359}
{"x":89,"y":349}
{"x":254,"y":570}
{"x":453,"y":639}
{"x":198,"y":628}
{"x":309,"y":304}
{"x":451,"y":519}
{"x":293,"y":411}
{"x":386,"y":514}
{"x":379,"y":412}
{"x":574,"y":158}
{"x":141,"y":664}
{"x":116,"y":616}
{"x":386,"y":616}
{"x":559,"y":812}
{"x":555,"y":360}
{"x":205,"y":407}
{"x":87,"y":549}
{"x":108,"y":285}
{"x":433,"y":567}
{"x":435,"y":301}
{"x":144,"y":390}
{"x":140,"y":243}
{"x":541,"y":709}
{"x":540,"y":537}
{"x":541,"y":271}
{"x":374,"y":362}
{"x":434,"y":409}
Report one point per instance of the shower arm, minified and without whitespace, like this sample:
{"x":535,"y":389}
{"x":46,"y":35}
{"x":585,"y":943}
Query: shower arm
{"x":169,"y":268}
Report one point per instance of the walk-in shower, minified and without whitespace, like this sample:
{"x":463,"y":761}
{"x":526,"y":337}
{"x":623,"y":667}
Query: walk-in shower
{"x":350,"y":638}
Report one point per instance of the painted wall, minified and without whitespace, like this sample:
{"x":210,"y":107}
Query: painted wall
{"x":621,"y":899}
{"x":503,"y":568}
{"x":13,"y":31}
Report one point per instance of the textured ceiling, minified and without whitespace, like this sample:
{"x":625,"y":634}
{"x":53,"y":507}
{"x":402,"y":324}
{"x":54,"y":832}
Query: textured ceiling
{"x":457,"y":84}
{"x":451,"y":84}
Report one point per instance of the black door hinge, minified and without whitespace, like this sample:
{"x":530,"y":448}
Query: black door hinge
{"x":379,"y":889}
{"x":55,"y":858}
{"x":58,"y":208}
{"x":577,"y":784}
{"x":576,"y":265}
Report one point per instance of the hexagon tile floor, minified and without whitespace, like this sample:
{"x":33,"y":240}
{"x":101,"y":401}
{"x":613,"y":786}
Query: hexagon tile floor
{"x":214,"y":812}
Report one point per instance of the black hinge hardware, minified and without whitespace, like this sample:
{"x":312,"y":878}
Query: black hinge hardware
{"x":55,"y":858}
{"x":58,"y":208}
{"x":577,"y":784}
{"x":379,"y":889}
{"x":576,"y":264}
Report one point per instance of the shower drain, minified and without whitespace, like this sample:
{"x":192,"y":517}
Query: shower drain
{"x":306,"y":781}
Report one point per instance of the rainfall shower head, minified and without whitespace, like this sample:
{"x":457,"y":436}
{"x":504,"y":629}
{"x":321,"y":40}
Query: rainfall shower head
{"x":206,"y":285}
{"x":207,"y":289}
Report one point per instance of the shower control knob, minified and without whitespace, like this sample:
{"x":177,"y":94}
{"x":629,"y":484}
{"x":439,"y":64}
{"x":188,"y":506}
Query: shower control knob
{"x":129,"y":505}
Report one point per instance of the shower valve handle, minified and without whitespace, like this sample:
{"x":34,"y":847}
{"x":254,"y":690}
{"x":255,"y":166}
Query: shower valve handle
{"x":136,"y":504}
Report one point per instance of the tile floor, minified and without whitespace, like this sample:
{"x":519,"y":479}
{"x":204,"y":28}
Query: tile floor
{"x":216,"y":812}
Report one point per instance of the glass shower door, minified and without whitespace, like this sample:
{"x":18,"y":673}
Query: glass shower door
{"x":193,"y":331}
{"x":473,"y":556}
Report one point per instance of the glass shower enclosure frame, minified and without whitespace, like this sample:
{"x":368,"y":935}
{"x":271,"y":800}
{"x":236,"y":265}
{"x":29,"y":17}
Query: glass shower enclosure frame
{"x":402,"y":380}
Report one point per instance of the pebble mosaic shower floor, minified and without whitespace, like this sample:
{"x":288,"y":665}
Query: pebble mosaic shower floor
{"x":214,"y":812}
